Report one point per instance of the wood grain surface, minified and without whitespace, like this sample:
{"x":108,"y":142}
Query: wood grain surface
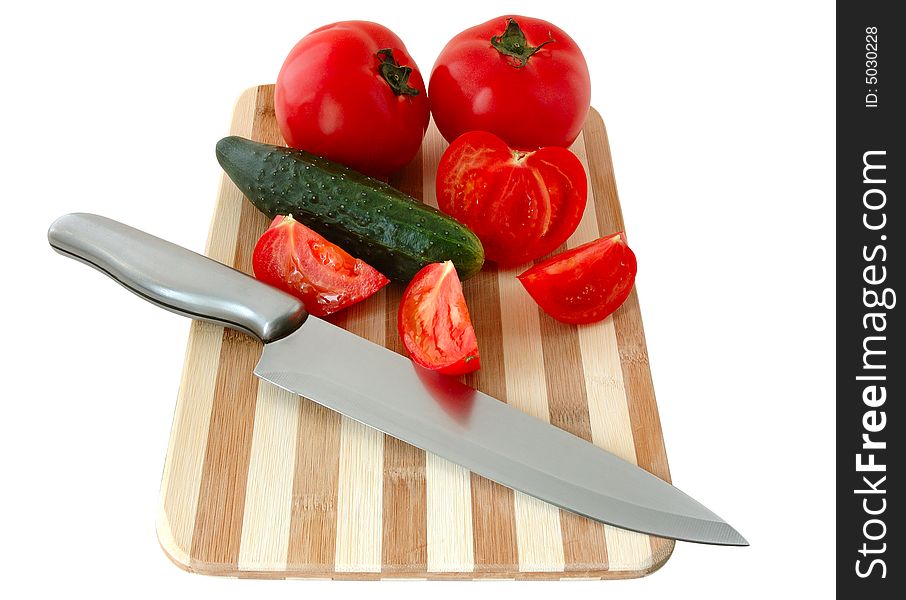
{"x":261,"y":483}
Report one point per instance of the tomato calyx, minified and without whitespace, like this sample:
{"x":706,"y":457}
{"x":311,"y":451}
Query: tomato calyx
{"x":512,"y":43}
{"x":396,"y":76}
{"x":519,"y":156}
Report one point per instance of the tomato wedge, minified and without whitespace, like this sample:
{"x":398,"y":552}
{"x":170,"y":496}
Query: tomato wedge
{"x":434,"y":323}
{"x":292,"y":257}
{"x":522,"y":205}
{"x":585,"y":284}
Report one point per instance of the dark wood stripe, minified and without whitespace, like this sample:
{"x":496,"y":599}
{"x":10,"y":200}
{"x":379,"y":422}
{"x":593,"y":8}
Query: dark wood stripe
{"x":493,"y":509}
{"x":221,"y":496}
{"x":607,"y":202}
{"x":404,"y":544}
{"x":404,"y":536}
{"x":313,"y":521}
{"x":405,"y":505}
{"x":584,"y":546}
{"x":643,"y":414}
{"x":646,"y":423}
{"x":648,"y":438}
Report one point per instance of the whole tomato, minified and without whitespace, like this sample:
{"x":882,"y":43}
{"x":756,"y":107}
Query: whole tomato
{"x":520,"y":78}
{"x":350,"y":92}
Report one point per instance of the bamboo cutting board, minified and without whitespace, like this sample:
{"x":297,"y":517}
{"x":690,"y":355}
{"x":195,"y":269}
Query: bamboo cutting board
{"x":261,"y":483}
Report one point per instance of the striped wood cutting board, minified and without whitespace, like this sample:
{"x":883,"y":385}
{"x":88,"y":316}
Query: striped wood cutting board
{"x":261,"y":483}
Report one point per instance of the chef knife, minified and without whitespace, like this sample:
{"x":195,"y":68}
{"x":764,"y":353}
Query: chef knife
{"x":311,"y":357}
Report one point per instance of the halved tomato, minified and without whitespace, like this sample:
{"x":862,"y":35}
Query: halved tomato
{"x":292,"y":257}
{"x":585,"y":284}
{"x":434,"y":323}
{"x":522,"y":205}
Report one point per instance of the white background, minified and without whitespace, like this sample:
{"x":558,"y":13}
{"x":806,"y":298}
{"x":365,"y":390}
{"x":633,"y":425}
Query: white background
{"x":721,"y":121}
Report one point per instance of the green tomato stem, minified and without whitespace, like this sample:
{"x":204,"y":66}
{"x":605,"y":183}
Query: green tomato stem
{"x":396,"y":76}
{"x":513,"y":43}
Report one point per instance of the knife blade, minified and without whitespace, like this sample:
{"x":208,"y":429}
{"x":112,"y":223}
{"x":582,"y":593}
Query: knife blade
{"x":311,"y":357}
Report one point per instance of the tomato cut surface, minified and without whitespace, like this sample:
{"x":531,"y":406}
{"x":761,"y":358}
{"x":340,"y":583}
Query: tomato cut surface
{"x":434,"y":323}
{"x":585,"y":284}
{"x":292,"y":257}
{"x":522,"y":205}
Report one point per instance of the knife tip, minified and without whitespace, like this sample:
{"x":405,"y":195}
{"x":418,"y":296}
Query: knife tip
{"x":734,"y":538}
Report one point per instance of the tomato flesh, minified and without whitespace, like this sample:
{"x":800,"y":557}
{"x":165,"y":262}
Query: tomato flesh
{"x":522,"y":205}
{"x":434,"y":323}
{"x":295,"y":259}
{"x":332,"y":100}
{"x":585,"y":284}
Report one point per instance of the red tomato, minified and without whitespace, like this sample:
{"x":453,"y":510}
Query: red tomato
{"x":434,"y":322}
{"x":585,"y":284}
{"x":351,"y":92}
{"x":292,"y":257}
{"x":521,"y":205}
{"x":521,"y":78}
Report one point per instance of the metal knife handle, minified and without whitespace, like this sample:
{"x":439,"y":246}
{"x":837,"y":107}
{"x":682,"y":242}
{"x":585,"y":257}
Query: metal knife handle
{"x":177,"y":279}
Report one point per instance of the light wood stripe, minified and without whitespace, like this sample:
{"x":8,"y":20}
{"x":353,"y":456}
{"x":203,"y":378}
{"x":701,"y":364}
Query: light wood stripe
{"x":646,"y":425}
{"x":449,"y":512}
{"x":360,"y":490}
{"x":359,"y":498}
{"x":448,"y":486}
{"x":191,"y":419}
{"x":608,"y":407}
{"x":269,"y":490}
{"x":610,"y":425}
{"x":538,"y":535}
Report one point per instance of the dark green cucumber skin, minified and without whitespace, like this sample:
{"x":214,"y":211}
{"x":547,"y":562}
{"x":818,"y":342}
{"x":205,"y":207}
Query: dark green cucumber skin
{"x":391,"y":231}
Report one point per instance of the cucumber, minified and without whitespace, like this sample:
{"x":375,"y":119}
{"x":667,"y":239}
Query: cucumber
{"x":394,"y":233}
